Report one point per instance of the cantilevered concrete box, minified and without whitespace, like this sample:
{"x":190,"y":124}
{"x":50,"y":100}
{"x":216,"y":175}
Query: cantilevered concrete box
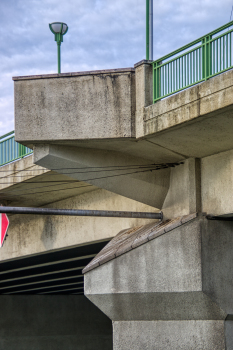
{"x":71,"y":106}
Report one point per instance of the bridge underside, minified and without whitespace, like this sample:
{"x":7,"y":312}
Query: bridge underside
{"x":58,"y":272}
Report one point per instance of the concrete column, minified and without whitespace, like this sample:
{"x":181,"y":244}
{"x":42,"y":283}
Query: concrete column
{"x":53,"y":323}
{"x":144,"y":92}
{"x":184,"y":194}
{"x":172,"y":292}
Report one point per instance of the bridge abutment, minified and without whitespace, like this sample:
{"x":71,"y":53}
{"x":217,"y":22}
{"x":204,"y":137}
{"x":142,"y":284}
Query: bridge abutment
{"x":167,"y":287}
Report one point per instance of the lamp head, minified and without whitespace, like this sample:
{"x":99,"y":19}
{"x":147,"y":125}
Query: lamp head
{"x":58,"y":29}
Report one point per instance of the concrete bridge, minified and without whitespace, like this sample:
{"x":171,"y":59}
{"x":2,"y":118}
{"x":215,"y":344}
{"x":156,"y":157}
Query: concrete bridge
{"x":99,"y":142}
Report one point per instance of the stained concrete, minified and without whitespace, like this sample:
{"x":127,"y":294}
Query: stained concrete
{"x":217,"y":267}
{"x":132,"y":238}
{"x":33,"y":234}
{"x":115,"y":172}
{"x":172,"y":292}
{"x":171,"y":335}
{"x":169,"y":263}
{"x":178,"y":284}
{"x":184,"y":194}
{"x":103,"y":110}
{"x":217,"y":183}
{"x":76,"y":103}
{"x":52,"y":323}
{"x":23,"y":183}
{"x":211,"y":97}
{"x":144,"y":93}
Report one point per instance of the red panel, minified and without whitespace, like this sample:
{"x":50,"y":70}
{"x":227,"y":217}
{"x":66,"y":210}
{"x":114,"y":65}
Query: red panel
{"x":4,"y":226}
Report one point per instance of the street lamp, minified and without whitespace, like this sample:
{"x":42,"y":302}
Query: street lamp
{"x":58,"y":29}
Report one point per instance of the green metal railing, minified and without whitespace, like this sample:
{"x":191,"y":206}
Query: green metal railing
{"x":193,"y":63}
{"x":11,"y":150}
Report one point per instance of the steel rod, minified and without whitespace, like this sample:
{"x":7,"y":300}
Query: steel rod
{"x":81,"y":212}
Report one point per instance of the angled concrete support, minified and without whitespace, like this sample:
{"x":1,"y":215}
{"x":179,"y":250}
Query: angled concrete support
{"x":167,"y":286}
{"x":153,"y":185}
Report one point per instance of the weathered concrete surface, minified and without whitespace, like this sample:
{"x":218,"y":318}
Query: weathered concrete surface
{"x":113,"y":171}
{"x":217,"y":183}
{"x":166,"y":264}
{"x":33,"y":234}
{"x":22,"y":183}
{"x":184,"y":194}
{"x":196,"y":122}
{"x":217,"y":266}
{"x":132,"y":238}
{"x":98,"y":104}
{"x":103,"y":115}
{"x":54,"y":323}
{"x":144,"y":92}
{"x":179,"y":280}
{"x":190,"y":104}
{"x":229,"y":334}
{"x":171,"y":335}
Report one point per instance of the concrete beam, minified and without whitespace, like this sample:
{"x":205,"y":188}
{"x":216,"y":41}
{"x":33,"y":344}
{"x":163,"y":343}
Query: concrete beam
{"x":153,"y":184}
{"x":98,"y":109}
{"x":196,"y":122}
{"x":85,"y":105}
{"x":22,"y":183}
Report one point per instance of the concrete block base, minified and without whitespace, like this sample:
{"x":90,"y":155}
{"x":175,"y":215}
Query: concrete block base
{"x":174,"y":292}
{"x":171,"y":335}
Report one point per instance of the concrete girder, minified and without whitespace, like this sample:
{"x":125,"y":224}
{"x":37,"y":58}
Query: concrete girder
{"x":194,"y":123}
{"x":153,"y":185}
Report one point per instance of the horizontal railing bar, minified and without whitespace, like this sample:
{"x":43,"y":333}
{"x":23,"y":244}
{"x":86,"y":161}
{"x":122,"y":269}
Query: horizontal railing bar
{"x":13,"y":160}
{"x":220,"y":36}
{"x":194,"y":42}
{"x":8,"y":134}
{"x":9,"y":138}
{"x":221,"y":71}
{"x":177,"y":57}
{"x":10,"y":150}
{"x":193,"y":63}
{"x":188,"y":52}
{"x":183,"y":88}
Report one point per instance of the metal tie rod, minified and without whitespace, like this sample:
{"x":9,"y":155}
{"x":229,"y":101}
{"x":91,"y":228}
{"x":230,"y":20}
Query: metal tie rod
{"x":80,"y":212}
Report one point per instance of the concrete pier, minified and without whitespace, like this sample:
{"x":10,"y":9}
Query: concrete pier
{"x":167,"y":286}
{"x":164,"y":286}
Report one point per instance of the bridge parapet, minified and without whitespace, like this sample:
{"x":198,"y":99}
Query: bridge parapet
{"x":71,"y":106}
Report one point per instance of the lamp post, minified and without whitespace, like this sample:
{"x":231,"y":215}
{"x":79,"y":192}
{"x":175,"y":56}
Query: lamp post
{"x":149,"y":30}
{"x":58,"y":29}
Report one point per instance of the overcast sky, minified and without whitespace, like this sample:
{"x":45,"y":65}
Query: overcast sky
{"x":102,"y":34}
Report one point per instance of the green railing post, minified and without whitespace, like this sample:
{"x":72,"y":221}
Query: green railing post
{"x":157,"y":80}
{"x":204,"y":59}
{"x":208,"y":56}
{"x":22,"y":150}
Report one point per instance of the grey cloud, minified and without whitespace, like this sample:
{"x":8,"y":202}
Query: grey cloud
{"x":102,"y":34}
